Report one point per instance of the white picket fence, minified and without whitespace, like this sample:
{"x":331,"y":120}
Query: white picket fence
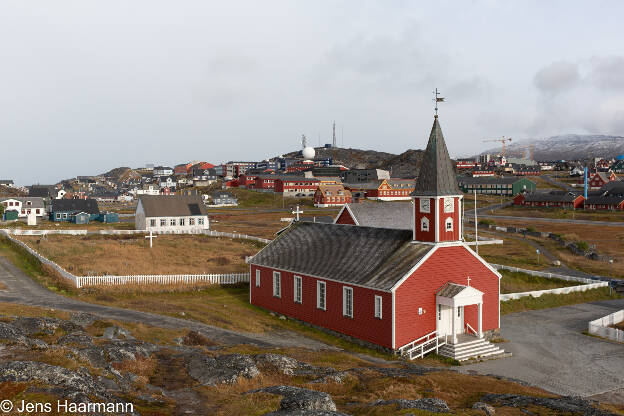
{"x":211,"y":233}
{"x":543,"y":274}
{"x":588,"y":284}
{"x":82,"y":281}
{"x":223,"y":279}
{"x":601,"y":328}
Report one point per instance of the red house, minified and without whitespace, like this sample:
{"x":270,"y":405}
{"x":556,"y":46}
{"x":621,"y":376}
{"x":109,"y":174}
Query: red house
{"x":331,"y":195}
{"x":605,"y":202}
{"x":599,"y":179}
{"x":566,"y":200}
{"x":412,"y":291}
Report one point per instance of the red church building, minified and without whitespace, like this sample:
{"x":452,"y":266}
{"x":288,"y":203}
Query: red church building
{"x":407,"y":290}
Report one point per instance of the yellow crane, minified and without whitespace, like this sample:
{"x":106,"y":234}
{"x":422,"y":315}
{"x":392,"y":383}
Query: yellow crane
{"x":504,"y":140}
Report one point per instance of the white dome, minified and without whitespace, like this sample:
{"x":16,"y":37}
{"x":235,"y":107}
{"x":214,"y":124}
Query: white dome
{"x":308,"y":153}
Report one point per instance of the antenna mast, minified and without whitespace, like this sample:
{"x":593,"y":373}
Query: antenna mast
{"x":334,"y":134}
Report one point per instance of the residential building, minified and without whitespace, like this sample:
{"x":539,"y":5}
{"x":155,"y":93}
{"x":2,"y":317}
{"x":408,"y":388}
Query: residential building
{"x":222,"y":199}
{"x":67,"y":209}
{"x":554,"y":199}
{"x":607,"y":203}
{"x":162,"y":171}
{"x":149,"y":189}
{"x":386,"y":287}
{"x":178,"y":214}
{"x":364,"y":175}
{"x":24,"y":206}
{"x":7,"y":182}
{"x":506,"y":185}
{"x":331,"y":195}
{"x":599,"y":179}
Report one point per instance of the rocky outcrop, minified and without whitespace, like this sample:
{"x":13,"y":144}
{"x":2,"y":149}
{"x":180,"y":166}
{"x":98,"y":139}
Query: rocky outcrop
{"x":485,"y":408}
{"x":224,"y":369}
{"x":27,"y":371}
{"x":428,"y":404}
{"x":573,"y":405}
{"x":296,"y":399}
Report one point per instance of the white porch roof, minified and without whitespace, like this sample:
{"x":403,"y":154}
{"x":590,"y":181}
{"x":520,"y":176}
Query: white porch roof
{"x":453,"y":294}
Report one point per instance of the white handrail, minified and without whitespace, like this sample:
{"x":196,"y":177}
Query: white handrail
{"x":468,"y":327}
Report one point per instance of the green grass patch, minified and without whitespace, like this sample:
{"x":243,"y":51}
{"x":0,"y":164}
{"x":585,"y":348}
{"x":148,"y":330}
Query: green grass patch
{"x":515,"y":282}
{"x":546,"y":301}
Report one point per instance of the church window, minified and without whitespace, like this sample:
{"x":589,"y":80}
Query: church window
{"x":152,"y":223}
{"x":424,"y":224}
{"x":320,"y":295}
{"x":277,"y":285}
{"x":347,"y":301}
{"x":163,"y":222}
{"x":425,"y":205}
{"x":378,"y":306}
{"x":257,"y":278}
{"x":298,"y":289}
{"x":449,"y":224}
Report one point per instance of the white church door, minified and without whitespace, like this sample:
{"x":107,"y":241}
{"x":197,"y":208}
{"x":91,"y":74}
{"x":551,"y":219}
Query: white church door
{"x":445,"y":320}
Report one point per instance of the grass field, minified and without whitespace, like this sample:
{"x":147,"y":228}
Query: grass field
{"x":50,"y":225}
{"x":512,"y":252}
{"x":553,"y":301}
{"x":131,"y":255}
{"x":513,"y":282}
{"x":559,"y":213}
{"x":260,"y":224}
{"x":608,"y":241}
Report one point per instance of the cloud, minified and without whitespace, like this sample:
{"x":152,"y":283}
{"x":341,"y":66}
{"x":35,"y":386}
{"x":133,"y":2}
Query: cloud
{"x":557,"y":77}
{"x":608,"y":72}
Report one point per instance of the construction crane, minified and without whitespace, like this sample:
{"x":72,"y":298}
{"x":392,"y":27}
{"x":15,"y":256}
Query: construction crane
{"x":503,"y":141}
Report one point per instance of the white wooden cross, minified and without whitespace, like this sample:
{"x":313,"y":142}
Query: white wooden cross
{"x":151,"y":237}
{"x":297,"y":212}
{"x":468,"y":280}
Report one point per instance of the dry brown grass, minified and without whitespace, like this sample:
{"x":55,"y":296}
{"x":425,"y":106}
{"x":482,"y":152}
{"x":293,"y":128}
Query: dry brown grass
{"x":131,"y":255}
{"x":608,"y":241}
{"x":512,"y":252}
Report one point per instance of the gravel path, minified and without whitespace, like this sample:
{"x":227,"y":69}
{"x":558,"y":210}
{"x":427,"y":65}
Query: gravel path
{"x":21,"y":289}
{"x":551,"y":352}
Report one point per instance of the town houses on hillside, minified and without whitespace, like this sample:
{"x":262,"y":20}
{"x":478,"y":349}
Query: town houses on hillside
{"x":398,"y":289}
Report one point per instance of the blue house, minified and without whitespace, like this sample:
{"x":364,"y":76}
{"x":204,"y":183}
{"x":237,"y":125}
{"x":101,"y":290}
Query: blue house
{"x":108,"y":217}
{"x":66,"y":209}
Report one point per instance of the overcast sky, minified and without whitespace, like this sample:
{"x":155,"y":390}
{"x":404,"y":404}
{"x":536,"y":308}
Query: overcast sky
{"x":86,"y":86}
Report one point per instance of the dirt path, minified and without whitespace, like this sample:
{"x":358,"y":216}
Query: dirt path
{"x":22,"y":289}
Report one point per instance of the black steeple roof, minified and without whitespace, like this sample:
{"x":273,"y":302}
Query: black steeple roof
{"x":437,"y":174}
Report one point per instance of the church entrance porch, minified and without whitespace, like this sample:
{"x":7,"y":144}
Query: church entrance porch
{"x":451,"y":302}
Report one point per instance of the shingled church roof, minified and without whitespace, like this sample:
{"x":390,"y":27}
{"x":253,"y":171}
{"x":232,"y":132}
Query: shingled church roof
{"x":437,"y":173}
{"x":372,"y":257}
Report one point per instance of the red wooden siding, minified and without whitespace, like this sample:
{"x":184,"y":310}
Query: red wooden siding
{"x":363,"y":325}
{"x":424,"y":235}
{"x":453,"y":264}
{"x":448,"y":235}
{"x":345,"y":218}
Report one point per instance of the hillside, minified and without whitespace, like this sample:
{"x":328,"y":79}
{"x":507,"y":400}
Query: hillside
{"x":568,"y":147}
{"x":405,"y":165}
{"x":122,"y":173}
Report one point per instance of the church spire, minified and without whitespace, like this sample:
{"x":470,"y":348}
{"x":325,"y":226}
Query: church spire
{"x":437,"y":175}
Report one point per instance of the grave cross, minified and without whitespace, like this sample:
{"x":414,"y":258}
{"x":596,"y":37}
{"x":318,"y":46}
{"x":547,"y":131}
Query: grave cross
{"x":297,"y":212}
{"x":151,"y":237}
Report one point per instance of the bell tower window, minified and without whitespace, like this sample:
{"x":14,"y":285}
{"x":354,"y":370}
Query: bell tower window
{"x":449,"y":224}
{"x":424,"y":224}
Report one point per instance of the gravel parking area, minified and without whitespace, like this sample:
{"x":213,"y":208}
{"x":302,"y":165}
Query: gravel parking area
{"x":551,"y":352}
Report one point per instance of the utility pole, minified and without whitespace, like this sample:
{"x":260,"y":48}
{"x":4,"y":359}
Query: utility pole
{"x":476,"y":222}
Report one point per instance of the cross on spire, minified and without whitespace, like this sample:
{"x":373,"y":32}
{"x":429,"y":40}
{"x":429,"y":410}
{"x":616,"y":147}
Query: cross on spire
{"x":297,"y":212}
{"x":437,"y":99}
{"x":468,"y":280}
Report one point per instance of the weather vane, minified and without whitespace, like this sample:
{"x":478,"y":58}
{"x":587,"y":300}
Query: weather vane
{"x":437,"y":99}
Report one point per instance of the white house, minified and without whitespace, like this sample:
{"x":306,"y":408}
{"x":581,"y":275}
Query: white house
{"x":167,"y":182}
{"x":163,"y":171}
{"x":24,"y":206}
{"x":171,"y":214}
{"x":149,"y":189}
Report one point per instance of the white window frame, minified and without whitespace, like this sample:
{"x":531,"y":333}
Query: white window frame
{"x":449,"y":221}
{"x":200,"y":221}
{"x":297,"y":289}
{"x":257,"y":277}
{"x":277,"y":284}
{"x":321,"y":301}
{"x":163,"y":222}
{"x":347,"y":307}
{"x":426,"y":210}
{"x":181,"y":221}
{"x":424,"y":224}
{"x":378,"y":309}
{"x":153,"y":222}
{"x":172,"y":222}
{"x":191,"y":221}
{"x":450,"y":207}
